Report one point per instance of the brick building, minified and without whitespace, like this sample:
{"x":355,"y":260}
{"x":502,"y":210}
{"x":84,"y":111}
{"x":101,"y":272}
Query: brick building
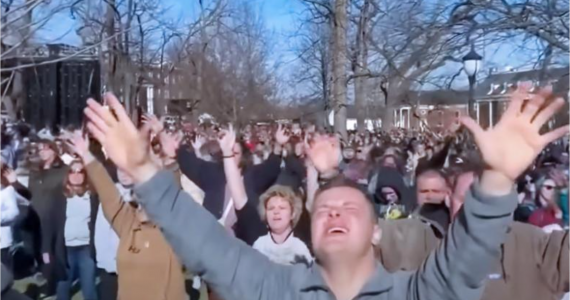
{"x":492,"y":94}
{"x":440,"y":108}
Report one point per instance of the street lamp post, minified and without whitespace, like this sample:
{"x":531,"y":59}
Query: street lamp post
{"x":471,"y":64}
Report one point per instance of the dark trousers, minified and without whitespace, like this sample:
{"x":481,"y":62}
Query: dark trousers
{"x":80,"y":265}
{"x":12,"y":294}
{"x":108,"y":285}
{"x":6,"y":259}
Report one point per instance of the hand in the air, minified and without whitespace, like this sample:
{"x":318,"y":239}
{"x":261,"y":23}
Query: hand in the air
{"x":156,"y":125}
{"x":227,"y":141}
{"x":10,"y":175}
{"x":170,"y":142}
{"x":281,"y":136}
{"x":511,"y":146}
{"x":198,"y":142}
{"x":324,"y":153}
{"x":128,"y":148}
{"x":80,"y":146}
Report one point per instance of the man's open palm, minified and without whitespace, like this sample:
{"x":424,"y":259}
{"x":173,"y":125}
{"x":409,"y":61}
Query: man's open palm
{"x":324,"y":152}
{"x":124,"y":144}
{"x":512,"y":145}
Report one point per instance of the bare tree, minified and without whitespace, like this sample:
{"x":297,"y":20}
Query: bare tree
{"x":360,"y":59}
{"x":314,"y":73}
{"x":138,"y":37}
{"x":335,"y":15}
{"x":339,"y":65}
{"x":546,"y":20}
{"x":229,"y":64}
{"x":21,"y":20}
{"x":410,"y":39}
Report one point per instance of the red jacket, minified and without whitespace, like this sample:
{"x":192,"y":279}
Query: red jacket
{"x":543,"y":217}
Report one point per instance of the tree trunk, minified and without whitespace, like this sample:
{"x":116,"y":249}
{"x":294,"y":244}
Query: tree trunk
{"x":339,"y":67}
{"x":10,"y":107}
{"x":17,"y":94}
{"x":361,"y":66}
{"x":396,"y":90}
{"x":109,"y":66}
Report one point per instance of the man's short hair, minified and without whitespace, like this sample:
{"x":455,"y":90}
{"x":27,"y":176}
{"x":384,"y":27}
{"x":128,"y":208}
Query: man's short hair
{"x":431,"y":173}
{"x":342,"y":181}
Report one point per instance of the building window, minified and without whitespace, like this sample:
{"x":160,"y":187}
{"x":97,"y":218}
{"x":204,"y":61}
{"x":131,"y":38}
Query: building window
{"x":150,"y":99}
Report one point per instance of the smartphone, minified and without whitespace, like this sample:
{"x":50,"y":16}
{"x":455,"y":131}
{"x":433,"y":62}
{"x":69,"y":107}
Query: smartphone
{"x":84,"y":126}
{"x":140,"y":114}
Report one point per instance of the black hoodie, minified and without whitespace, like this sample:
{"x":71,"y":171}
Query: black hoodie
{"x":389,"y":177}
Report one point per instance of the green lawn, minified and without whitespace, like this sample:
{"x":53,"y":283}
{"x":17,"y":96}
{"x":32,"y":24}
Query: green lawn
{"x":30,"y":287}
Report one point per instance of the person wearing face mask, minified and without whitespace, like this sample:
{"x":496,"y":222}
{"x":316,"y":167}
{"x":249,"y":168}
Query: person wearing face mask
{"x":532,"y":265}
{"x":146,"y":264}
{"x":343,"y":227}
{"x":281,"y":210}
{"x":433,"y":199}
{"x":392,"y":161}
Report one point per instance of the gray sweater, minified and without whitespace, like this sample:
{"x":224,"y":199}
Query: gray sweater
{"x":456,"y":270}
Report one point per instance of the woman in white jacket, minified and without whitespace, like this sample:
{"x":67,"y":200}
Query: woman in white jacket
{"x":8,"y":213}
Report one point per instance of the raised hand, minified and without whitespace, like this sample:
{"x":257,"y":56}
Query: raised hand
{"x":511,"y":146}
{"x":156,"y":125}
{"x":10,"y":175}
{"x":170,"y":142}
{"x":80,"y":146}
{"x":198,"y":142}
{"x":128,"y":148}
{"x":281,"y":136}
{"x":227,"y":141}
{"x":324,"y":153}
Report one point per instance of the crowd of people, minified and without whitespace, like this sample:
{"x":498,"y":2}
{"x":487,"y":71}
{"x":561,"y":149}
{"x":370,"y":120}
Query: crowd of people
{"x":288,"y":211}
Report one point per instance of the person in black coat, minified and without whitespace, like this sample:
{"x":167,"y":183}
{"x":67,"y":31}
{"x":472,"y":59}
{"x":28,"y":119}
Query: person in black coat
{"x":46,"y":187}
{"x":71,"y":239}
{"x":294,"y":173}
{"x":210,"y":177}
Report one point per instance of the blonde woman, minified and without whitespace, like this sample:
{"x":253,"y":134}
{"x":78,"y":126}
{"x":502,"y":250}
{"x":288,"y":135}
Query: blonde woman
{"x":280,"y":208}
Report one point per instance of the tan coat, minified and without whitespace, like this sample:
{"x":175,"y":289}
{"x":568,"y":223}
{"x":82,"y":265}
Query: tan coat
{"x":146,"y":264}
{"x":533,"y":266}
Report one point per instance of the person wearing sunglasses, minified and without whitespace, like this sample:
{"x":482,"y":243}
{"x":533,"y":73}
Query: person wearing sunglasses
{"x":547,"y":197}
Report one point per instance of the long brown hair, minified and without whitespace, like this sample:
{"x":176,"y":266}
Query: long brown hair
{"x":39,"y":164}
{"x":70,"y":190}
